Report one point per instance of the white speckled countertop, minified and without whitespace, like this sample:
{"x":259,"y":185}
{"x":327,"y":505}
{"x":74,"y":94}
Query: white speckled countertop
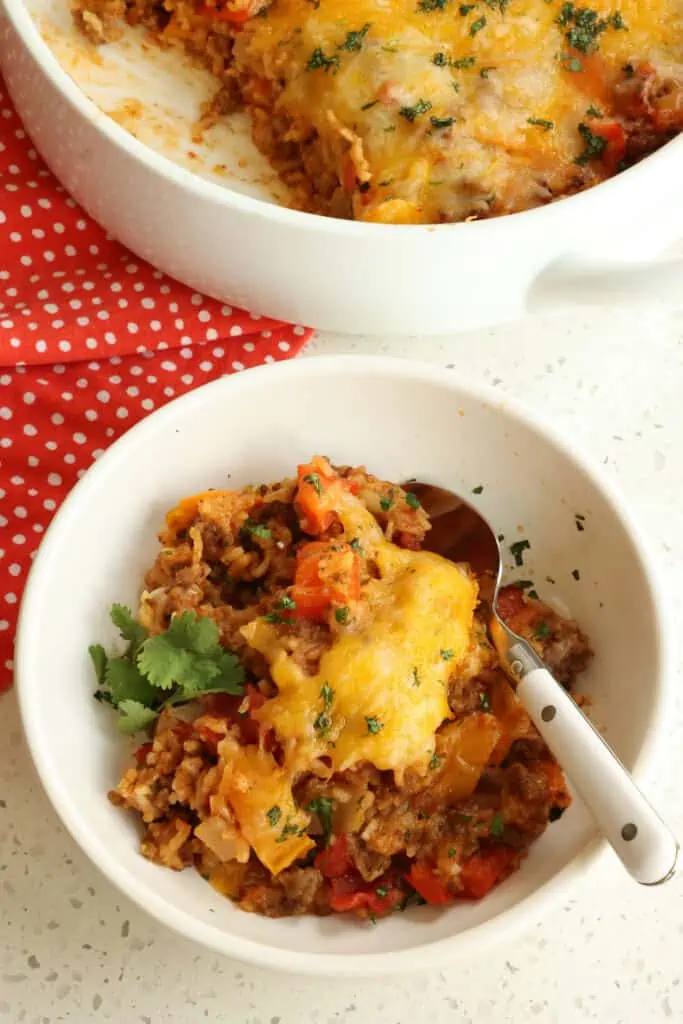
{"x":73,"y":949}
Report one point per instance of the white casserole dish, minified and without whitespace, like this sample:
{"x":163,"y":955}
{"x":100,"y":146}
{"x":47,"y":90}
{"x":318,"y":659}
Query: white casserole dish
{"x":236,"y":244}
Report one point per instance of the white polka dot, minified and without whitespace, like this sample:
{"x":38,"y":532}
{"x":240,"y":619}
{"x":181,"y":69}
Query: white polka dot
{"x":19,"y":538}
{"x":69,"y":459}
{"x":30,"y":430}
{"x":79,"y":438}
{"x":197,"y":299}
{"x":37,"y":528}
{"x":103,"y":396}
{"x":18,"y":481}
{"x":284,"y":346}
{"x":235,"y":331}
{"x":33,"y":462}
{"x":211,"y":334}
{"x":147,"y":303}
{"x":11,"y":598}
{"x":204,"y":316}
{"x":122,"y":413}
{"x":15,"y":569}
{"x":90,"y":415}
{"x":206,"y":366}
{"x":299,"y":331}
{"x":155,"y":325}
{"x":168,"y":365}
{"x":57,"y":419}
{"x":133,"y":391}
{"x":20,"y":512}
{"x":147,"y":404}
{"x":54,"y":479}
{"x":49,"y":504}
{"x":132,"y":328}
{"x":5,"y":413}
{"x":237,"y":365}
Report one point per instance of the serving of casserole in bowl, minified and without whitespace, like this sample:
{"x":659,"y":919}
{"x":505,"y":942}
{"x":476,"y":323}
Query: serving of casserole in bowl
{"x":319,"y":724}
{"x":366,"y":167}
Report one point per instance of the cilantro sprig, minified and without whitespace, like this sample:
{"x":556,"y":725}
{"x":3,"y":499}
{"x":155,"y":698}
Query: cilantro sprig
{"x":159,"y":671}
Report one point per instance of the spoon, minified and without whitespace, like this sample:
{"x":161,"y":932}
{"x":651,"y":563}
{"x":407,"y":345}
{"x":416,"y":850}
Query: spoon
{"x":636,"y":833}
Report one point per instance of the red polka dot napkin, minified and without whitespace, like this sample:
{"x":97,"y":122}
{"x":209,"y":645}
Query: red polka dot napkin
{"x":91,"y":340}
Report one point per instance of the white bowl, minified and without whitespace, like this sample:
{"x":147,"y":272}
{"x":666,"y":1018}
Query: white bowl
{"x":400,"y":419}
{"x":238,"y":245}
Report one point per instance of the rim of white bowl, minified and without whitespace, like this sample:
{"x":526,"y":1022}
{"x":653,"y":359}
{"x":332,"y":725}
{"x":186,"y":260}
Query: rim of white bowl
{"x":464,"y":945}
{"x":617,"y":188}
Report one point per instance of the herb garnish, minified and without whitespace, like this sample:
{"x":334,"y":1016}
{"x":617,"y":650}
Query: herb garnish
{"x":584,"y":26}
{"x":595,"y":145}
{"x":484,"y":701}
{"x":386,"y":503}
{"x":290,"y":829}
{"x":579,"y":520}
{"x":382,"y":892}
{"x":516,"y":550}
{"x":478,"y":489}
{"x":410,"y":113}
{"x":416,"y":677}
{"x":542,"y":631}
{"x":413,"y":900}
{"x":355,"y":545}
{"x":374,"y":725}
{"x":541,"y":123}
{"x":442,"y":122}
{"x":341,"y":615}
{"x":412,"y":500}
{"x":576,"y":574}
{"x":322,"y":807}
{"x":354,"y":40}
{"x":497,"y":824}
{"x":286,"y":603}
{"x":274,"y":815}
{"x":432,"y":5}
{"x":435,"y":761}
{"x":465,"y":9}
{"x":477,"y":26}
{"x":327,"y":694}
{"x":594,"y":112}
{"x":571,"y":63}
{"x":314,"y":480}
{"x":447,"y":654}
{"x":253,"y":529}
{"x":367,"y":106}
{"x":159,"y":671}
{"x":319,"y":60}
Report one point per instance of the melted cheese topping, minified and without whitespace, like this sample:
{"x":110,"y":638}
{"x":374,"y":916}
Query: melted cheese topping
{"x":355,"y":70}
{"x":380,"y":692}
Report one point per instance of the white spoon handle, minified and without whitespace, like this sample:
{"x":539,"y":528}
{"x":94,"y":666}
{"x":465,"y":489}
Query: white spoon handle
{"x":639,"y":837}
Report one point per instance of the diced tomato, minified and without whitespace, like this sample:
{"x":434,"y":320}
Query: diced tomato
{"x":615,"y":137}
{"x":510,"y":602}
{"x":325,"y":574}
{"x":336,"y":860}
{"x":223,"y":705}
{"x":429,"y":885}
{"x":313,"y":501}
{"x":485,"y":869}
{"x":408,"y":540}
{"x":209,"y":737}
{"x":363,"y":901}
{"x":223,"y":14}
{"x":142,"y":752}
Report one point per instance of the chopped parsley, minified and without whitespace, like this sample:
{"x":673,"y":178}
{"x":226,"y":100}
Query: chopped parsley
{"x":571,"y":63}
{"x":341,"y":615}
{"x":484,"y":701}
{"x":319,"y":60}
{"x":327,"y":694}
{"x":441,"y":122}
{"x":579,"y":520}
{"x":412,"y":500}
{"x":497,"y":5}
{"x":275,"y":618}
{"x":594,"y":112}
{"x":386,"y":503}
{"x":413,"y":900}
{"x":416,"y":677}
{"x":478,"y":489}
{"x":435,"y":762}
{"x":368,"y":106}
{"x":322,"y":724}
{"x":541,"y":122}
{"x":497,"y":824}
{"x":374,"y":725}
{"x":477,"y":26}
{"x":253,"y":529}
{"x":484,"y":72}
{"x":584,"y":26}
{"x":160,"y":671}
{"x":576,"y":574}
{"x":355,"y":545}
{"x":314,"y":480}
{"x":432,"y":5}
{"x":286,"y":603}
{"x":410,"y":113}
{"x":463,"y":62}
{"x":594,"y":145}
{"x":274,"y":815}
{"x":382,"y":892}
{"x":516,"y":550}
{"x":354,"y":40}
{"x":452,"y":851}
{"x":542,"y":631}
{"x":447,"y":654}
{"x":323,"y":808}
{"x":289,"y":830}
{"x":465,"y":9}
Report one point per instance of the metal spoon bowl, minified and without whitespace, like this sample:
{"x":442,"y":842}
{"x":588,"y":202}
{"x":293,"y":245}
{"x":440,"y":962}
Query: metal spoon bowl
{"x":644,"y":844}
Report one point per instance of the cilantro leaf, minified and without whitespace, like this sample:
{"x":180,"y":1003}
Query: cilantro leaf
{"x":126,"y":683}
{"x":323,"y":807}
{"x":163,"y":663}
{"x":130,"y":629}
{"x":99,"y":660}
{"x":231,"y":673}
{"x":134,"y":716}
{"x":194,"y":634}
